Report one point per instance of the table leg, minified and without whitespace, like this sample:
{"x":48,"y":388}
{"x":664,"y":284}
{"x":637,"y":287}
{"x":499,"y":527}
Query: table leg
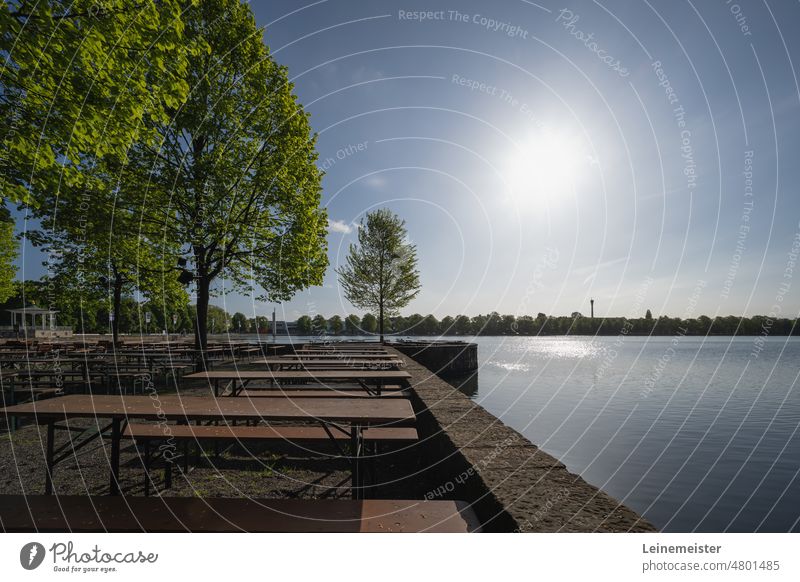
{"x":147,"y":467}
{"x":49,"y":466}
{"x":355,"y":444}
{"x":115,"y":438}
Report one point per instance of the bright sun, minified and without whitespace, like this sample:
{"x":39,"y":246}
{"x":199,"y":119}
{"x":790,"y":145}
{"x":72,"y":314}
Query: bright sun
{"x":544,"y":169}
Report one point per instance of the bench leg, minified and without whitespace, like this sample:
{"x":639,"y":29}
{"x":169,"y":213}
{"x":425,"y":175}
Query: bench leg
{"x":115,"y":438}
{"x":147,"y":468}
{"x":48,"y":476}
{"x":168,"y":474}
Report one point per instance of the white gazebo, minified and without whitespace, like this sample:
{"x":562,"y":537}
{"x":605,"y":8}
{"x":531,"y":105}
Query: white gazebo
{"x":48,"y":317}
{"x":34,"y":322}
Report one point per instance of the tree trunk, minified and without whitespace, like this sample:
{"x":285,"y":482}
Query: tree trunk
{"x":380,"y":320}
{"x":117,"y":309}
{"x":201,"y":321}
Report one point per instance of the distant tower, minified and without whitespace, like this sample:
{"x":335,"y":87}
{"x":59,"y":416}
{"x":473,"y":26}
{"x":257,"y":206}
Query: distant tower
{"x":591,"y":302}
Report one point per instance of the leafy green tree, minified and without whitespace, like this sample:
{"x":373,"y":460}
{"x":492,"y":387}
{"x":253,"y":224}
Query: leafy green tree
{"x":352,"y":324}
{"x":369,"y":323}
{"x":239,"y":322}
{"x":218,"y":319}
{"x":399,"y":324}
{"x":262,"y":323}
{"x":304,"y":325}
{"x":493,"y":324}
{"x":83,"y":80}
{"x":526,"y":325}
{"x":103,"y":253}
{"x":463,"y":326}
{"x":381,"y":272}
{"x":508,"y":324}
{"x":234,"y":180}
{"x":319,"y":325}
{"x":430,"y":325}
{"x":413,"y":324}
{"x":336,"y":325}
{"x":8,"y":252}
{"x":446,"y":325}
{"x":478,"y":325}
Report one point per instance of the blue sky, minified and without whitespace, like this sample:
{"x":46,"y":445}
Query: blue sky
{"x":640,"y":153}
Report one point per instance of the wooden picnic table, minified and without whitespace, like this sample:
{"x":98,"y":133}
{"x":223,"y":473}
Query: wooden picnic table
{"x":296,"y":362}
{"x":333,"y":351}
{"x":36,"y":363}
{"x":338,"y":356}
{"x":350,"y":415}
{"x":239,"y":379}
{"x":154,"y":359}
{"x":346,"y":345}
{"x":344,"y":355}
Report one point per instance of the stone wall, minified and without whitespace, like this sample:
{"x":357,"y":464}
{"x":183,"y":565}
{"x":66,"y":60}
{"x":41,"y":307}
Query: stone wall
{"x":445,"y":358}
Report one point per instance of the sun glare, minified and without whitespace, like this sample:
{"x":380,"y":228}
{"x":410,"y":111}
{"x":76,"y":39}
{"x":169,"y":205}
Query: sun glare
{"x":544,"y":168}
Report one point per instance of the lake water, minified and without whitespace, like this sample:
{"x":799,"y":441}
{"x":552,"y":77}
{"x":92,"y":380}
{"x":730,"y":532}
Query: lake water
{"x":696,"y":434}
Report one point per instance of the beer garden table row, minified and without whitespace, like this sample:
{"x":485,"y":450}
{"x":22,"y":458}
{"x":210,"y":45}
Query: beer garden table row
{"x":339,"y":413}
{"x":239,"y":379}
{"x":351,"y":415}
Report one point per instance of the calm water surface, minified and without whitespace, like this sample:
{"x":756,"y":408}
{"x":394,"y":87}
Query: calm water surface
{"x":695,"y":433}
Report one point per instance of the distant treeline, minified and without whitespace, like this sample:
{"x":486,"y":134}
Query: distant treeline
{"x":495,"y":324}
{"x":86,"y":314}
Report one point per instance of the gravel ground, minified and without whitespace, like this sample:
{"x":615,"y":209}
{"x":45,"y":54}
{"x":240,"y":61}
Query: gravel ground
{"x":274,"y":470}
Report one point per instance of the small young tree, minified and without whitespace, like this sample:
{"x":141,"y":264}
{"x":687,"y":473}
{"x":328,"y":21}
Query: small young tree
{"x":381,"y":271}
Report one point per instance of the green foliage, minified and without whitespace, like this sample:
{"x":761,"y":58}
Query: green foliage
{"x":8,"y":252}
{"x":369,"y":323}
{"x":319,"y":325}
{"x":381,"y":271}
{"x":234,"y":179}
{"x":335,"y":325}
{"x":218,"y":319}
{"x":262,"y":323}
{"x":494,"y":324}
{"x":304,"y":325}
{"x":82,"y":81}
{"x":352,"y":324}
{"x":239,"y":323}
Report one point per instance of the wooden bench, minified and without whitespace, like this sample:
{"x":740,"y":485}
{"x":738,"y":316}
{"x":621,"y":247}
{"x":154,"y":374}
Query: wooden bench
{"x":263,"y":433}
{"x":92,"y":514}
{"x":274,"y":393}
{"x":199,"y":435}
